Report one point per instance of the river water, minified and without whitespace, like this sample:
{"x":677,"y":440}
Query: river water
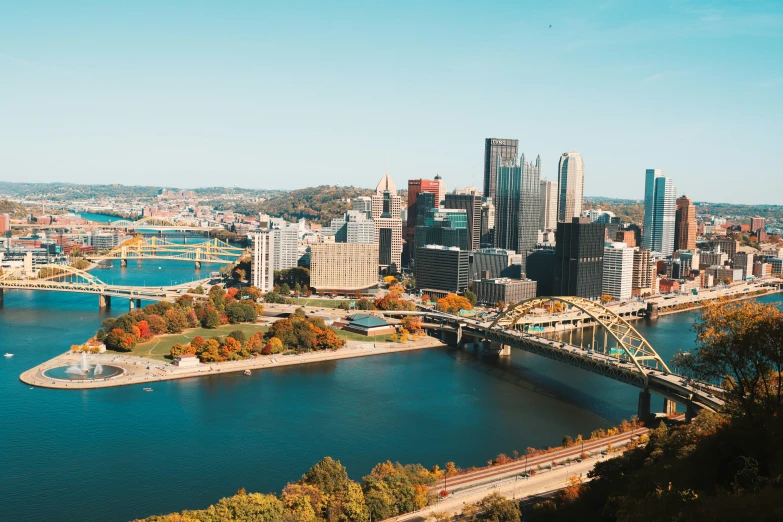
{"x":121,"y":453}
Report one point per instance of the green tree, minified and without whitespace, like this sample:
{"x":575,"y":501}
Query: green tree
{"x":496,"y":508}
{"x":471,"y":297}
{"x":328,"y":475}
{"x":252,"y":506}
{"x":212,"y":319}
{"x":175,"y":321}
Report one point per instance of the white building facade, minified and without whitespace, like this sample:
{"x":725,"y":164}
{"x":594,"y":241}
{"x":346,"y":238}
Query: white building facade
{"x":262,"y":263}
{"x":618,"y":271}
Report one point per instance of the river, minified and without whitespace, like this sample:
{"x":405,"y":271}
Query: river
{"x":120,"y":453}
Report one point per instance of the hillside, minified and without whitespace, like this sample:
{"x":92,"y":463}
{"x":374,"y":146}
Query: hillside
{"x":9,"y":207}
{"x":316,"y":204}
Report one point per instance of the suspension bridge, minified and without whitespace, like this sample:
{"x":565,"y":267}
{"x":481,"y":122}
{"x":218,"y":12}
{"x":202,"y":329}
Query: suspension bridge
{"x":210,"y":251}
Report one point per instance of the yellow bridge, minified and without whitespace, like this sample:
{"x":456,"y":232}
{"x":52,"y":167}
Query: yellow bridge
{"x":63,"y":278}
{"x":211,"y":251}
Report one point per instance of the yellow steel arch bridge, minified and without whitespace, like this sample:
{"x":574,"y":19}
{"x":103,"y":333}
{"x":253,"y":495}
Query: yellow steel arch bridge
{"x":157,"y":223}
{"x":210,"y":251}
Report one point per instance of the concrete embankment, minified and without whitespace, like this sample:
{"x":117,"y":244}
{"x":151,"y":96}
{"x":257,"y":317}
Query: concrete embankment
{"x":140,"y":370}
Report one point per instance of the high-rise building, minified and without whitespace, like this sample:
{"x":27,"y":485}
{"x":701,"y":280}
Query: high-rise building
{"x":471,"y":204}
{"x":5,"y":223}
{"x":659,"y":212}
{"x":579,"y":255}
{"x":386,"y":207}
{"x":548,"y":205}
{"x":540,"y":267}
{"x":262,"y":262}
{"x":343,"y":267}
{"x":728,"y":246}
{"x":487,"y":223}
{"x":445,"y":227}
{"x":494,"y":149}
{"x":441,"y":189}
{"x":617,"y":280}
{"x":517,"y":205}
{"x":685,"y":224}
{"x":442,"y":269}
{"x":570,"y":186}
{"x":644,"y":272}
{"x":757,"y":223}
{"x":491,"y":263}
{"x":510,"y":291}
{"x":626,"y":236}
{"x":286,"y":244}
{"x":744,"y":261}
{"x":362,"y":204}
{"x":354,"y":227}
{"x":416,"y":187}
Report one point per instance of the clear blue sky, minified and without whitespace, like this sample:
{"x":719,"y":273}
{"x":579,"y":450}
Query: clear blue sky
{"x":280,"y":95}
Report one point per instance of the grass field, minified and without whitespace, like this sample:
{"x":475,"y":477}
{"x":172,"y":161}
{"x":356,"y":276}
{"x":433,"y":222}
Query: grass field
{"x":160,"y":346}
{"x":323,"y":303}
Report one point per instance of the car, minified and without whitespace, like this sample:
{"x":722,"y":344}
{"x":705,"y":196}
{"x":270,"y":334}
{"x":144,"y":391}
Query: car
{"x":711,"y":396}
{"x":591,"y":351}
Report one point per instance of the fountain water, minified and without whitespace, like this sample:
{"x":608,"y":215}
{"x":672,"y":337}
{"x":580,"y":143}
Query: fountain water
{"x":84,"y":371}
{"x":82,"y":368}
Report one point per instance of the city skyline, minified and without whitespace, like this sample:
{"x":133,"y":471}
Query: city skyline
{"x":227,"y":92}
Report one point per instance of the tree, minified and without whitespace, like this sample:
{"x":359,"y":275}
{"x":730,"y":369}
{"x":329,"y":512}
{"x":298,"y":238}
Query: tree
{"x":412,"y":323}
{"x":239,"y":335}
{"x":239,"y":274}
{"x":251,"y":506}
{"x":274,"y":345}
{"x":471,"y":297}
{"x":574,"y":489}
{"x":328,"y":475}
{"x":211,"y":319}
{"x":740,"y":345}
{"x":315,"y":497}
{"x":256,"y":343}
{"x":285,"y":289}
{"x":426,"y":298}
{"x":157,"y":324}
{"x":364,"y":304}
{"x":145,"y":332}
{"x":176,"y":350}
{"x":378,"y":499}
{"x":241,"y":312}
{"x":119,"y":340}
{"x":390,"y":280}
{"x":606,"y":298}
{"x":453,"y":303}
{"x":175,"y":321}
{"x":496,"y":508}
{"x":500,"y":305}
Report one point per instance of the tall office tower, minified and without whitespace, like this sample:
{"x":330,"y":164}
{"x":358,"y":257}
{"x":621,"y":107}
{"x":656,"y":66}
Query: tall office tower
{"x":570,"y":186}
{"x":442,"y":270}
{"x":416,"y":187}
{"x":617,"y":279}
{"x":491,"y":263}
{"x":487,"y":224}
{"x":471,"y":204}
{"x":579,"y":259}
{"x":362,"y":204}
{"x":286,"y":244}
{"x":548,"y":210}
{"x":659,"y":213}
{"x":262,"y":262}
{"x":354,"y":227}
{"x":442,"y":226}
{"x":386,"y":206}
{"x":494,"y":148}
{"x":343,"y":267}
{"x":441,"y":189}
{"x":517,"y":205}
{"x":685,"y":224}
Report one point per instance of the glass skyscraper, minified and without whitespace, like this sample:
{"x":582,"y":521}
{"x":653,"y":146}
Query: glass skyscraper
{"x":570,"y":185}
{"x":517,"y":204}
{"x":494,"y":148}
{"x":659,"y":212}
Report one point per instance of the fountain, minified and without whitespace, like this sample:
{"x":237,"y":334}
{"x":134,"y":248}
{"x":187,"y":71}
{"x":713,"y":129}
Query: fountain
{"x":84,"y":371}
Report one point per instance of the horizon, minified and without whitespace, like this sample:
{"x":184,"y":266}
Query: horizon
{"x":280,"y":96}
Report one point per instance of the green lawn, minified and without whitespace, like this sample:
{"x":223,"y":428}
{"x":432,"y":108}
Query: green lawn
{"x":160,"y":346}
{"x":352,"y":336}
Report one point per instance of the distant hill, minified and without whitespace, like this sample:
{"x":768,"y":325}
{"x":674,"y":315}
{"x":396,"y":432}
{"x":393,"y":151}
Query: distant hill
{"x":317,"y":204}
{"x":75,"y":192}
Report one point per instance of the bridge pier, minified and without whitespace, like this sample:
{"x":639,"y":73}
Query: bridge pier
{"x":198,"y":264}
{"x":104,"y":301}
{"x":690,"y":411}
{"x":1,"y":295}
{"x":643,"y":410}
{"x":669,"y":407}
{"x":123,"y":262}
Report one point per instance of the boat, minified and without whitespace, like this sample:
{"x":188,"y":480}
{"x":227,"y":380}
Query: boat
{"x":247,"y":372}
{"x":9,"y":354}
{"x":147,"y":389}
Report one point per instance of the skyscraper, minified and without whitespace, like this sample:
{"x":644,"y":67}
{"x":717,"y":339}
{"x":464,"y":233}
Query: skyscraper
{"x":416,"y":187}
{"x":570,"y":186}
{"x":495,"y":148}
{"x":548,"y":205}
{"x":262,"y":262}
{"x":517,"y":198}
{"x":659,"y":212}
{"x":470,"y":203}
{"x":579,"y":259}
{"x":386,"y":206}
{"x":685,"y":224}
{"x":617,"y":278}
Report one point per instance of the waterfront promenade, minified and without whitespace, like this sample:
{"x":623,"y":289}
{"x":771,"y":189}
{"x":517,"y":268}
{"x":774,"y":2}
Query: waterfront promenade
{"x":141,"y":370}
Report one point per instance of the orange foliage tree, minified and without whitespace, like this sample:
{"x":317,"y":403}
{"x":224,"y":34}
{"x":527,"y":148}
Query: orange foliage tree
{"x":453,"y":303}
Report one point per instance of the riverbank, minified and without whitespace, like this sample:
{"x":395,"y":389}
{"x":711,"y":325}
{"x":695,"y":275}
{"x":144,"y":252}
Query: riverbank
{"x":142,"y":370}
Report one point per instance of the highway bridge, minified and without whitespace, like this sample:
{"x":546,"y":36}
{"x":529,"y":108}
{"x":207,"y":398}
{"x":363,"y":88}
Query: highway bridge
{"x":617,"y":351}
{"x":62,"y":278}
{"x":139,"y":248}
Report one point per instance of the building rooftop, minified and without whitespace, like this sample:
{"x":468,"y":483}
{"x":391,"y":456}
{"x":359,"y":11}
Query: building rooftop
{"x":367,"y":321}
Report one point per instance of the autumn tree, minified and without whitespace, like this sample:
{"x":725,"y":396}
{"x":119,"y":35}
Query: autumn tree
{"x":412,"y":323}
{"x":120,"y":340}
{"x":453,"y":303}
{"x":740,"y":346}
{"x":573,"y":490}
{"x":496,"y":508}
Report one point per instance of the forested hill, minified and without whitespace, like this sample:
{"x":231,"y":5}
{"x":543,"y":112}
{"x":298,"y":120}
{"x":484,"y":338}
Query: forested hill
{"x":317,"y":204}
{"x":9,"y":207}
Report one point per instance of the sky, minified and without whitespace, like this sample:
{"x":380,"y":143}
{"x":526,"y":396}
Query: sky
{"x":295,"y":94}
